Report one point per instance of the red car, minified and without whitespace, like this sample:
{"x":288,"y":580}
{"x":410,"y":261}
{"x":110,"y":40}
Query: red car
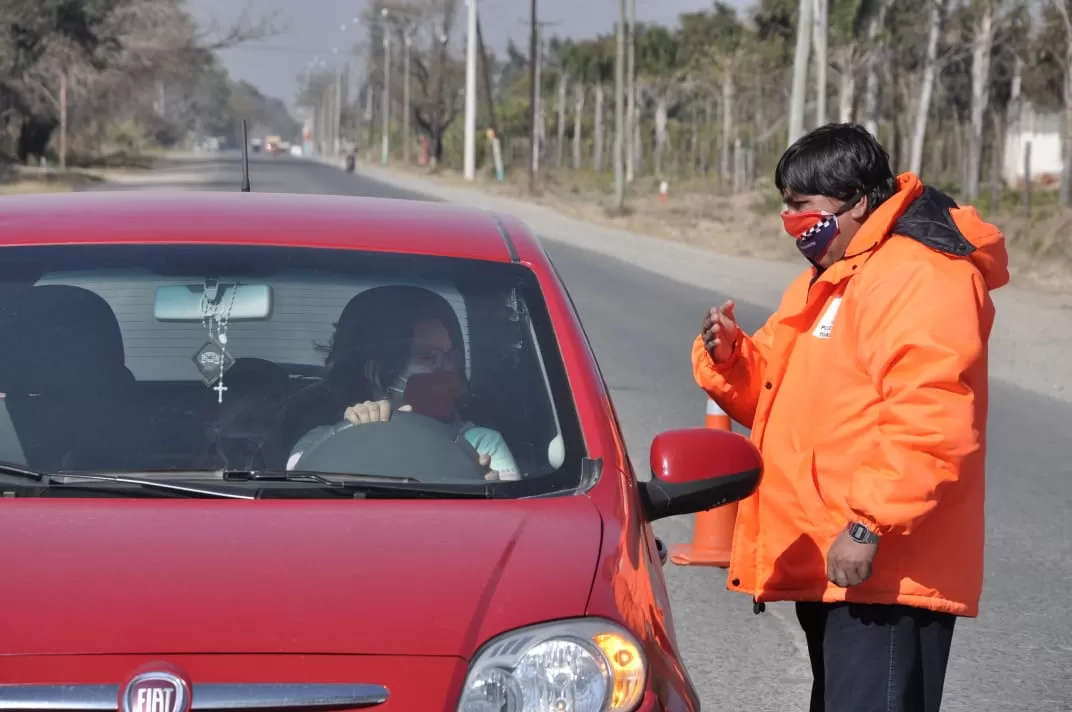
{"x":190,"y":521}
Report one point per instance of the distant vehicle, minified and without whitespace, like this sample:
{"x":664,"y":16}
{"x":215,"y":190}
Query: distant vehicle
{"x":271,"y":144}
{"x":296,"y":151}
{"x":256,"y":145}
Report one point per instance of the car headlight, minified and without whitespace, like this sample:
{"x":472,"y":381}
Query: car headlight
{"x":578,"y":665}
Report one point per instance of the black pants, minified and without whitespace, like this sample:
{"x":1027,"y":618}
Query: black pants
{"x":876,"y":658}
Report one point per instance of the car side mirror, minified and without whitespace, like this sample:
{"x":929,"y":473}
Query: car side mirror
{"x":696,"y":469}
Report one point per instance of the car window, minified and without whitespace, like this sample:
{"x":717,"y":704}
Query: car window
{"x":171,"y":358}
{"x":303,"y":317}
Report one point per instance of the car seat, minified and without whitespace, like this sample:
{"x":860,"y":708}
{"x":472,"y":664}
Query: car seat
{"x":256,"y":389}
{"x":63,"y":370}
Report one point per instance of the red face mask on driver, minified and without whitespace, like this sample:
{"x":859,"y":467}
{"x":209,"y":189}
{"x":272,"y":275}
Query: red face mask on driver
{"x":432,"y":394}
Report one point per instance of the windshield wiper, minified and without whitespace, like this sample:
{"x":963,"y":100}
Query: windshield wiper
{"x":13,"y":470}
{"x":310,"y":476}
{"x":348,"y":483}
{"x":382,"y":484}
{"x":71,"y":479}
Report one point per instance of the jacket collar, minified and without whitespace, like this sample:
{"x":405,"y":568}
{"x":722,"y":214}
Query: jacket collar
{"x":875,"y":230}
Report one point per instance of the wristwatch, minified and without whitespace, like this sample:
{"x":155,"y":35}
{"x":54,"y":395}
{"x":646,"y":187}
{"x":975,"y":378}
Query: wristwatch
{"x":861,"y":534}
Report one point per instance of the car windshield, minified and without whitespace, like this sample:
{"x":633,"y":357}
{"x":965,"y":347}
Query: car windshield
{"x":169,"y":360}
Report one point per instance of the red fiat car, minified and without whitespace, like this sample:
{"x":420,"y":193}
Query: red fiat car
{"x":268,"y":452}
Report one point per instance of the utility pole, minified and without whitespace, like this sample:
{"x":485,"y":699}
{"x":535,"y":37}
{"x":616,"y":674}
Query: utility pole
{"x":819,"y":39}
{"x":536,"y":101}
{"x":540,"y":126}
{"x":386,"y":99}
{"x":337,"y":115}
{"x":318,"y":118}
{"x":805,"y":20}
{"x":619,"y":112}
{"x":470,"y":93}
{"x":493,"y":124}
{"x":630,"y":97}
{"x":406,"y":99}
{"x":63,"y":120}
{"x":370,"y":119}
{"x":325,"y":116}
{"x":489,"y":98}
{"x":533,"y":96}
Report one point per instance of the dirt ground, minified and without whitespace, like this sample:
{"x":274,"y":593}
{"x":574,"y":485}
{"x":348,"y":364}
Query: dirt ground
{"x":31,"y":180}
{"x":695,"y":212}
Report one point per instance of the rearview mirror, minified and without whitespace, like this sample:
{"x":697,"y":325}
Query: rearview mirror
{"x":232,"y":301}
{"x":697,"y":469}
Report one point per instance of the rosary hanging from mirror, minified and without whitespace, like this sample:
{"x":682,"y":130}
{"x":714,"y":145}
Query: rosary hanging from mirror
{"x":212,"y":360}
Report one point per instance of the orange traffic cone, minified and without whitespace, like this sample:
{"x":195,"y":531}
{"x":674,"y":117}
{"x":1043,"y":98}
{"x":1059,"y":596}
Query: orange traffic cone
{"x":712,"y":531}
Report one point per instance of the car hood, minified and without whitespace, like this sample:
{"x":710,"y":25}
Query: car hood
{"x":430,"y":577}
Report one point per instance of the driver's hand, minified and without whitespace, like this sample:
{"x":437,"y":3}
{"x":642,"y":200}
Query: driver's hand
{"x":485,"y":462}
{"x":494,"y":475}
{"x":371,"y":412}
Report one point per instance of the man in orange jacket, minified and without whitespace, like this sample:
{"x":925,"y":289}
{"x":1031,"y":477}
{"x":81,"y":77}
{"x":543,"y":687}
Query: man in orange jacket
{"x":866,"y":392}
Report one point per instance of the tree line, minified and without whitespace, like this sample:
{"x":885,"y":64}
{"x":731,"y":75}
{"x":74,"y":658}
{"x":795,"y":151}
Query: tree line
{"x":943,"y":83}
{"x":81,"y":78}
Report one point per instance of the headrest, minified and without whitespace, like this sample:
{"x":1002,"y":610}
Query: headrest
{"x":257,"y":377}
{"x":59,"y":338}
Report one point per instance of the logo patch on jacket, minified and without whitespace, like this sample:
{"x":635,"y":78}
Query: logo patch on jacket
{"x":826,"y":324}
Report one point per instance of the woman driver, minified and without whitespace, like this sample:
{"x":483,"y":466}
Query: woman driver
{"x":404,"y":346}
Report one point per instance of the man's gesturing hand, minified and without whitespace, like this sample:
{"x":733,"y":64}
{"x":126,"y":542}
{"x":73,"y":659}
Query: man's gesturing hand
{"x":719,"y":332}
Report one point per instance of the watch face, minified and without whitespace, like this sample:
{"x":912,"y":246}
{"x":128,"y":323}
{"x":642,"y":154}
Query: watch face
{"x":859,"y":532}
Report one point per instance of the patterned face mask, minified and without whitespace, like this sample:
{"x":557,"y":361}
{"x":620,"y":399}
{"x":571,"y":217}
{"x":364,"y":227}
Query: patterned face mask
{"x":815,"y":230}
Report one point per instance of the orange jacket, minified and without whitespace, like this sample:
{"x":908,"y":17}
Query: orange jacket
{"x":866,"y":392}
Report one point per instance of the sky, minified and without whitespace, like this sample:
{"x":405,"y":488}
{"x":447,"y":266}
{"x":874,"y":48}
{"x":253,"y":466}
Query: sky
{"x":311,"y":28}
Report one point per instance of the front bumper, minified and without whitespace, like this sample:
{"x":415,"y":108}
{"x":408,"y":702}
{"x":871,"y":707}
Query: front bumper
{"x":252,"y":683}
{"x":93,"y":683}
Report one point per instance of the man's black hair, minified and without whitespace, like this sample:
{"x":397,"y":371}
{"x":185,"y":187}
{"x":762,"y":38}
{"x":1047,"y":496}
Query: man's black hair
{"x":837,"y":161}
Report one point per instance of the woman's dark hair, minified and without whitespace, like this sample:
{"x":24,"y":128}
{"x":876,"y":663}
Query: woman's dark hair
{"x":378,"y":325}
{"x":838,"y":161}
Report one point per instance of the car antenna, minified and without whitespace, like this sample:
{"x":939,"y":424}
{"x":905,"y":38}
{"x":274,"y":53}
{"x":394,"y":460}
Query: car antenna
{"x":245,"y":158}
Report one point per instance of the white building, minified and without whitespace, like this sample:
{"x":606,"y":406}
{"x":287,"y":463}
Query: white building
{"x":1042,"y":132}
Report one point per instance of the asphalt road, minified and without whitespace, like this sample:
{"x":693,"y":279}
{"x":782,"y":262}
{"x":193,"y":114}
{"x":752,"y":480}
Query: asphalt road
{"x":1016,"y":656}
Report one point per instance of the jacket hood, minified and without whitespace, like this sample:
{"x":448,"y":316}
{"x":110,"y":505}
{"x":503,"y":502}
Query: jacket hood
{"x":935,"y":220}
{"x":372,"y":577}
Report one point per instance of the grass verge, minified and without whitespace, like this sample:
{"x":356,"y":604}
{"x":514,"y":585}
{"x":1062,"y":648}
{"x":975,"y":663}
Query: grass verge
{"x":26,"y":182}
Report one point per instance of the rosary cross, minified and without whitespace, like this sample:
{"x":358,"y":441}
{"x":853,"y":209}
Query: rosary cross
{"x":220,"y":388}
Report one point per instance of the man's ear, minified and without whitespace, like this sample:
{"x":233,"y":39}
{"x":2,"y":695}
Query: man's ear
{"x":861,"y":210}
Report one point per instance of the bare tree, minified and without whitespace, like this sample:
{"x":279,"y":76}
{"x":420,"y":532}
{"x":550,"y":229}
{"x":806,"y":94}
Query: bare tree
{"x":805,"y":20}
{"x":935,"y":24}
{"x":101,"y":60}
{"x":1061,"y":6}
{"x":982,"y":44}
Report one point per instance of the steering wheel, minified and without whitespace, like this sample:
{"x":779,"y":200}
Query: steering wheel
{"x":407,"y":445}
